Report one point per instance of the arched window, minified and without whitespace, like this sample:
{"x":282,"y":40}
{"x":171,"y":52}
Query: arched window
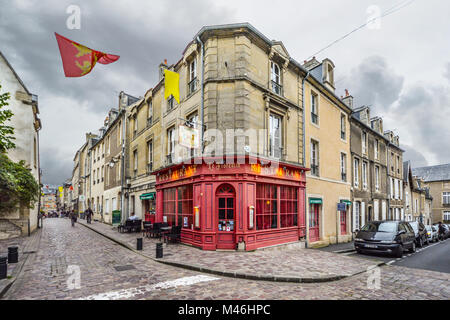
{"x":275,"y":76}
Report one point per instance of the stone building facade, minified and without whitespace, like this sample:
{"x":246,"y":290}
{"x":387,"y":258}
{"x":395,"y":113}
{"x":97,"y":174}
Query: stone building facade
{"x":26,"y":124}
{"x":369,"y":168}
{"x":395,"y":177}
{"x":437,"y":179}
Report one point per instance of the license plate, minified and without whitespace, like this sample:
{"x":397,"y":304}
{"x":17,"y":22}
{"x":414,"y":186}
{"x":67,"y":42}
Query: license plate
{"x":371,"y":246}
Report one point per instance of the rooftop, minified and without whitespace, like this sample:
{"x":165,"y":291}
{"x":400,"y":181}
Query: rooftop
{"x":433,"y":173}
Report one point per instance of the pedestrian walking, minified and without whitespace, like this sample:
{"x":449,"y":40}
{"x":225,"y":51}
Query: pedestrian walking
{"x":89,"y":215}
{"x":73,"y":217}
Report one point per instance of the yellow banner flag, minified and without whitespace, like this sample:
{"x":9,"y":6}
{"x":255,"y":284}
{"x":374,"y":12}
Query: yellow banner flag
{"x":60,"y":189}
{"x":172,"y":85}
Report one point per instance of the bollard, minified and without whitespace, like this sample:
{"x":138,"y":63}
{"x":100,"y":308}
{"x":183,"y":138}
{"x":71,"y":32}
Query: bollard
{"x":3,"y":268}
{"x":13,"y":255}
{"x":159,"y":250}
{"x":139,"y":244}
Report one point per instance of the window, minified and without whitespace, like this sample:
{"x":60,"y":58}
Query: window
{"x":364,"y":142}
{"x":446,"y":198}
{"x":377,"y":178}
{"x":98,"y":176}
{"x":357,"y":215}
{"x":364,"y":174}
{"x":314,"y":109}
{"x":314,"y":158}
{"x":109,"y":145}
{"x":169,"y":206}
{"x":113,"y":204}
{"x":150,"y":113}
{"x":171,"y":144}
{"x":343,"y":167}
{"x":398,"y":164}
{"x":375,"y":147}
{"x":185,"y":206}
{"x":135,"y":126}
{"x":102,"y":173}
{"x":392,"y":161}
{"x":193,"y":123}
{"x":93,"y":175}
{"x":193,"y":75}
{"x":170,"y":103}
{"x":106,"y":205}
{"x":391,"y":182}
{"x":275,"y":145}
{"x":275,"y":78}
{"x":446,"y":215}
{"x":149,"y":156}
{"x":356,"y":172}
{"x":135,"y":161}
{"x":342,"y":127}
{"x":266,"y":206}
{"x":288,"y":207}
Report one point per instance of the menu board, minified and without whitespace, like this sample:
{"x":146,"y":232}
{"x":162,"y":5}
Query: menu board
{"x":226,"y":225}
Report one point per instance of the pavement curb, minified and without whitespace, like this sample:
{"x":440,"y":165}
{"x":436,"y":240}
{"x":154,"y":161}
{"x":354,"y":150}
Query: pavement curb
{"x":232,"y":274}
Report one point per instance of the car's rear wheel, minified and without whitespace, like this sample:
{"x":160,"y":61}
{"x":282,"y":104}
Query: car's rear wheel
{"x":399,"y":252}
{"x":413,"y":247}
{"x":420,"y":242}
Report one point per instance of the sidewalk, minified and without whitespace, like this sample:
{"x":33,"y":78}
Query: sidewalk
{"x":27,"y":245}
{"x":290,"y":265}
{"x":339,"y":248}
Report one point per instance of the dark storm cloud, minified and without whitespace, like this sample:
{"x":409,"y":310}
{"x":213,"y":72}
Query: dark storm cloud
{"x":374,"y":83}
{"x":424,"y":113}
{"x":417,"y":159}
{"x":143,"y":33}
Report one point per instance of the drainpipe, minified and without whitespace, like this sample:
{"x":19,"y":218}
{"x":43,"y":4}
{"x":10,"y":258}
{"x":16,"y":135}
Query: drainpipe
{"x":388,"y":181}
{"x":39,"y":223}
{"x":122,"y":178}
{"x":304,"y":155}
{"x":202,"y":90}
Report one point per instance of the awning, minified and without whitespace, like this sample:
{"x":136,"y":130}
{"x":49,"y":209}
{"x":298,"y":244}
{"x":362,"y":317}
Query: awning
{"x":347,"y":202}
{"x":315,"y":201}
{"x":148,"y":196}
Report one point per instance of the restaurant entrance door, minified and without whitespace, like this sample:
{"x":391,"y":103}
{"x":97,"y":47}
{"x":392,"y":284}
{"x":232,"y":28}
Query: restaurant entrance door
{"x":225,"y":204}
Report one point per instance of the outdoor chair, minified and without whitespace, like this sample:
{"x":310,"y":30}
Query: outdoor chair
{"x":147,"y":227}
{"x":155,"y":232}
{"x":174,"y":234}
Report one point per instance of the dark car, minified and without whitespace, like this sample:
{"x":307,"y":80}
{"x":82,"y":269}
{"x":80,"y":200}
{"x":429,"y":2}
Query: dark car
{"x":421,"y":233}
{"x":391,"y":237}
{"x":446,"y":231}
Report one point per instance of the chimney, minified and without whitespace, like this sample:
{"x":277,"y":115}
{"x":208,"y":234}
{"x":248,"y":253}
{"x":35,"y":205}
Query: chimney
{"x":163,"y":66}
{"x":348,"y":99}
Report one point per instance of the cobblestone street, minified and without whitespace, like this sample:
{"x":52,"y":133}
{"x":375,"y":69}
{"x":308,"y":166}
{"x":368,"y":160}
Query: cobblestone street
{"x":110,"y":271}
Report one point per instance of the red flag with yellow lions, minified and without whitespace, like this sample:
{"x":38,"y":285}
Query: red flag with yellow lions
{"x":79,"y":60}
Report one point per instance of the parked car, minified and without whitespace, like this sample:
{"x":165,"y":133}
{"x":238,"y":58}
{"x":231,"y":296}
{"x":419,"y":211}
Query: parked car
{"x":432,"y":233}
{"x":391,"y":237}
{"x":420,"y":232}
{"x":447,"y":231}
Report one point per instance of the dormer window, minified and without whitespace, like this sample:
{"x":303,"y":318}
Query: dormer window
{"x":330,"y":73}
{"x":275,"y":76}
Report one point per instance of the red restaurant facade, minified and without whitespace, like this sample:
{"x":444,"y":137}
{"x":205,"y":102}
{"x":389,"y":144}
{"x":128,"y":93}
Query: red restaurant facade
{"x":222,"y":205}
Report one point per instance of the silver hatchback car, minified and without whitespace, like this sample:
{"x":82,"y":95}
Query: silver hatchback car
{"x":432,"y":233}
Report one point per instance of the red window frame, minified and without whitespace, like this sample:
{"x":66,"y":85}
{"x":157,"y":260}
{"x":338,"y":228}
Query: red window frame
{"x":177,"y":204}
{"x":266,"y":206}
{"x":288,"y":206}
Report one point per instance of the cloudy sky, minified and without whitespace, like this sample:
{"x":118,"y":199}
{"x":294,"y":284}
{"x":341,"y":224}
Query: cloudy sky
{"x":399,"y":65}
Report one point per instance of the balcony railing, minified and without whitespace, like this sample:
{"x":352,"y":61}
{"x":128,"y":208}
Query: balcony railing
{"x":149,"y":121}
{"x":343,"y":135}
{"x":192,"y":85}
{"x":314,"y":117}
{"x":343,"y":176}
{"x":169,"y":158}
{"x":277,"y":88}
{"x":149,"y":167}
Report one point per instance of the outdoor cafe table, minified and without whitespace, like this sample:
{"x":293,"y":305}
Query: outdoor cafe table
{"x":165,"y":230}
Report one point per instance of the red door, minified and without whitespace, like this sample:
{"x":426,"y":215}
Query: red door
{"x":343,"y":222}
{"x":226,"y":205}
{"x":314,"y":227}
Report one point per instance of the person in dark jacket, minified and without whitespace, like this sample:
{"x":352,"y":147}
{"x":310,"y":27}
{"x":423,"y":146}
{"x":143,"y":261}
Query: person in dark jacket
{"x":89,"y":215}
{"x":73,"y":217}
